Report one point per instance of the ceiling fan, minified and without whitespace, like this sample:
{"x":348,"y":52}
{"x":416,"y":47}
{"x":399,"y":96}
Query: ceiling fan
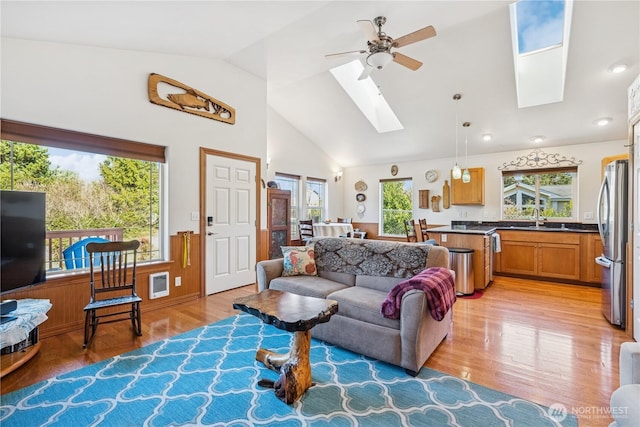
{"x":379,"y":46}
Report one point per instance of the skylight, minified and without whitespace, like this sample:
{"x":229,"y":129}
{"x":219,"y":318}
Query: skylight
{"x":540,"y":24}
{"x":366,"y":95}
{"x":540,"y":39}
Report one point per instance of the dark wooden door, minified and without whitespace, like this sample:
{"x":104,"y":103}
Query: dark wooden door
{"x":279,"y":220}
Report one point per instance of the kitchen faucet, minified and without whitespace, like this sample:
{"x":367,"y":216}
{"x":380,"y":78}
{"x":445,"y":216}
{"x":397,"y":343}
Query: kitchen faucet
{"x":538,"y":218}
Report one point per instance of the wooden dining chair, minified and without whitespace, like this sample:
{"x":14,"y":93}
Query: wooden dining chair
{"x":423,"y":229}
{"x":305,"y":228}
{"x":112,"y":276}
{"x":410,"y":229}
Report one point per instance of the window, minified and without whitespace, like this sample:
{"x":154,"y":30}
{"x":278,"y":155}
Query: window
{"x":397,"y":205}
{"x":95,"y":186}
{"x":549,"y":192}
{"x":291,"y":183}
{"x":316,"y":199}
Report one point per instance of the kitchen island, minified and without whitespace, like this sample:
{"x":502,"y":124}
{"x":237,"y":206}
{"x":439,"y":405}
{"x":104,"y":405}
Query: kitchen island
{"x":476,"y":237}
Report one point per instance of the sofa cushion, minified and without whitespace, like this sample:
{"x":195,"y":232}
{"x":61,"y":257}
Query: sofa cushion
{"x":363,"y":304}
{"x":384,"y":284}
{"x":310,"y":286}
{"x":370,"y":257}
{"x":345,"y":278}
{"x":298,"y":260}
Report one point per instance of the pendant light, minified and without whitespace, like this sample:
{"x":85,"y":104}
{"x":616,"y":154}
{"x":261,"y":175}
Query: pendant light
{"x":466,"y":176}
{"x":456,"y":173}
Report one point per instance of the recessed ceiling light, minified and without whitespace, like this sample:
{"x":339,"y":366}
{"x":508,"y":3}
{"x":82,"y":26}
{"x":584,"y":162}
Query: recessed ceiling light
{"x":617,"y":68}
{"x":538,"y":138}
{"x":486,"y":137}
{"x":603,"y":121}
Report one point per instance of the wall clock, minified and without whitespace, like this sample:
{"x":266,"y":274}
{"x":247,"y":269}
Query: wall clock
{"x":431,"y":175}
{"x":394,"y":170}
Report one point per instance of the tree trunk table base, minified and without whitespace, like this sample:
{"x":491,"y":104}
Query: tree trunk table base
{"x":293,"y":313}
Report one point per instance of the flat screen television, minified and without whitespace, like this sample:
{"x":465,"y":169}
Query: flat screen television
{"x":22,"y":232}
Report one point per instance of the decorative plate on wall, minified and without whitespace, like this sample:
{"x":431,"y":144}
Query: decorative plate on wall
{"x":361,"y":197}
{"x":361,"y":186}
{"x":394,"y":170}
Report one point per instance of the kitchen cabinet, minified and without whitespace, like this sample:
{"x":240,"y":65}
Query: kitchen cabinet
{"x":278,"y":220}
{"x":545,"y":254}
{"x":481,"y":245}
{"x":470,"y":193}
{"x":591,"y":246}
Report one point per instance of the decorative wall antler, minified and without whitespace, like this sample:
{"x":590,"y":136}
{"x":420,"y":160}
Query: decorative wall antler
{"x":190,"y":101}
{"x":539,"y":159}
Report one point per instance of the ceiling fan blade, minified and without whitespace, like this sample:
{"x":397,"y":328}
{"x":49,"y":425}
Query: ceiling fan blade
{"x":416,"y":36}
{"x":352,"y":52}
{"x":369,"y":30}
{"x":365,"y":73}
{"x":410,"y":63}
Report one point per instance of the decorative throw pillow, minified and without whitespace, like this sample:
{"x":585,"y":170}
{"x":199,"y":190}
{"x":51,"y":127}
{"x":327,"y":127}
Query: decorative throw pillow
{"x":299,"y":260}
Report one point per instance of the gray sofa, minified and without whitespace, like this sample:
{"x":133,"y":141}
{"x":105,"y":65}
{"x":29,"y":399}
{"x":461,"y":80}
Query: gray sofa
{"x":359,"y":274}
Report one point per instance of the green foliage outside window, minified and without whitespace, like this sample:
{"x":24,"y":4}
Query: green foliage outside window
{"x":552,"y":193}
{"x":126,"y":196}
{"x":397,"y":206}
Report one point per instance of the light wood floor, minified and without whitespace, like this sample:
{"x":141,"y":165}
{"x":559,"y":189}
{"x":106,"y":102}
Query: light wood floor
{"x":544,"y":342}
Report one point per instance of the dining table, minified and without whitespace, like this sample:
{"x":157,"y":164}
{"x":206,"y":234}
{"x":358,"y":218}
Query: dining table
{"x":332,"y":229}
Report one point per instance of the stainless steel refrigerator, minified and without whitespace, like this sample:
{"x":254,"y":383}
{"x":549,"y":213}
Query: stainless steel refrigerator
{"x":612,"y":225}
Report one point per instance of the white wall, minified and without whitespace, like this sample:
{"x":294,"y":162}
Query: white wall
{"x":291,"y":152}
{"x":104,"y":92}
{"x":588,"y":177}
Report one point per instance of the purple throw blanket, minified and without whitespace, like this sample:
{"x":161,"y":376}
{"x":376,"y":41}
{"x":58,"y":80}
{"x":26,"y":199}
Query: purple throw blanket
{"x":438,"y":285}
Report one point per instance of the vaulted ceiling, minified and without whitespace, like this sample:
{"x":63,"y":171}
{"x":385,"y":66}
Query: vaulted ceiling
{"x":285,"y":43}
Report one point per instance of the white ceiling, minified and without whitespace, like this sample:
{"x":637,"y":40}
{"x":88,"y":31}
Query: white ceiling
{"x":284,"y":42}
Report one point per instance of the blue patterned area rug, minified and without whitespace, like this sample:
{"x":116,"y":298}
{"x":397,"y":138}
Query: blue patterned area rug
{"x":209,"y":376}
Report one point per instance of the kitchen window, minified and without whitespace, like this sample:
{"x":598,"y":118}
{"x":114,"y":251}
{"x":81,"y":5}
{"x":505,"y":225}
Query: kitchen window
{"x":316,"y":199}
{"x":291,"y":183}
{"x":397,"y":205}
{"x":539,"y":194}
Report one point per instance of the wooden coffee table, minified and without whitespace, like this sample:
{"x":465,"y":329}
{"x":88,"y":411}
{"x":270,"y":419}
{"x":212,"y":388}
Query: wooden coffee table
{"x":293,"y":313}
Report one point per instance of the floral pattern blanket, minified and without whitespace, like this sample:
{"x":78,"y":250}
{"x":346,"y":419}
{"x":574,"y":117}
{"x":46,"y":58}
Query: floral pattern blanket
{"x":370,"y":257}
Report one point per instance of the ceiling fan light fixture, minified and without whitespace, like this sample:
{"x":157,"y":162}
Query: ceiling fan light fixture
{"x":379,"y":59}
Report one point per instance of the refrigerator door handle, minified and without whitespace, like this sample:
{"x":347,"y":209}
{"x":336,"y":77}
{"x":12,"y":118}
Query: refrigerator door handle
{"x":603,"y":262}
{"x":599,"y":210}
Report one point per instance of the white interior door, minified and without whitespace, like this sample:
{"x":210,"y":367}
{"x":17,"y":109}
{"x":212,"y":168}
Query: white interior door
{"x":230,"y":223}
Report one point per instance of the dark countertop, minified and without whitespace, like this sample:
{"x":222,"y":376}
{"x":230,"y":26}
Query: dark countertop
{"x":484,"y":228}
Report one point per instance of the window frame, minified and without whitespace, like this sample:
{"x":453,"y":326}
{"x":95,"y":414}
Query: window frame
{"x":50,"y":137}
{"x":573,"y":200}
{"x":322,"y":207}
{"x":381,"y":219}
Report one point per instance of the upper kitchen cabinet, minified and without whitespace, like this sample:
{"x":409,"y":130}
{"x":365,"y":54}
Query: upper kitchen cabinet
{"x":470,"y":193}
